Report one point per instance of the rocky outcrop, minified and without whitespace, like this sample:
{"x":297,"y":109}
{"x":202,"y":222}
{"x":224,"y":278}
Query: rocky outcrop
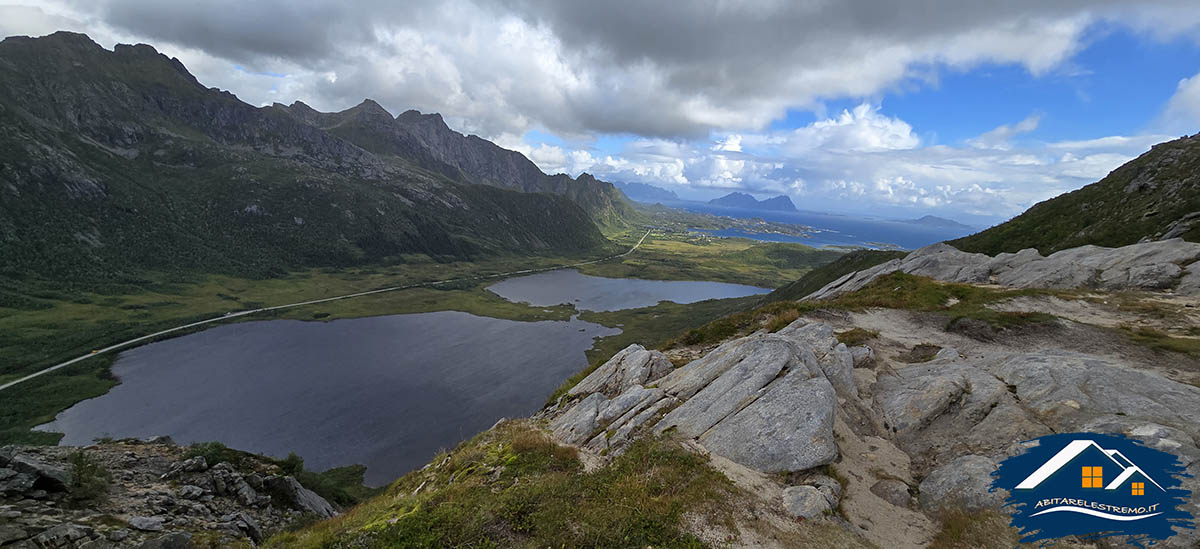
{"x":766,"y":401}
{"x":1158,"y":265}
{"x":633,"y":365}
{"x":153,"y":496}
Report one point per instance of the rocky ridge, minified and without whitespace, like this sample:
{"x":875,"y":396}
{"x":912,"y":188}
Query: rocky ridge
{"x":1156,"y":266}
{"x":909,"y":441}
{"x":155,"y":497}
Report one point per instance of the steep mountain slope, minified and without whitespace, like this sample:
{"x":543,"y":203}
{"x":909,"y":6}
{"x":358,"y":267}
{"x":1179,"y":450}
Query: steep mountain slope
{"x":117,"y":161}
{"x":1155,"y":196}
{"x":426,"y":141}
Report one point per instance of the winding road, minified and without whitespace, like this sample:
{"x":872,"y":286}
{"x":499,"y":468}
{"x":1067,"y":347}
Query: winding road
{"x":228,"y":316}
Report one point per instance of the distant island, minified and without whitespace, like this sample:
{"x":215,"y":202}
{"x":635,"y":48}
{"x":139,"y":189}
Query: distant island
{"x":780,"y":203}
{"x":642,"y":192}
{"x":939,"y":222}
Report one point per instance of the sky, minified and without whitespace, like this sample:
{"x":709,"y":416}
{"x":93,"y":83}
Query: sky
{"x":967,"y":109}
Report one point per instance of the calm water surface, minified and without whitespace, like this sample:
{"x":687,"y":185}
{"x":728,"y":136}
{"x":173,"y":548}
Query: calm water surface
{"x":594,"y":293}
{"x":387,"y":392}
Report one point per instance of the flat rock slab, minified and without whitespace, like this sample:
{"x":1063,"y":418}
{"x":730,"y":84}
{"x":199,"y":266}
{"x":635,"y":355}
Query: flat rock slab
{"x":751,"y":367}
{"x":788,"y":428}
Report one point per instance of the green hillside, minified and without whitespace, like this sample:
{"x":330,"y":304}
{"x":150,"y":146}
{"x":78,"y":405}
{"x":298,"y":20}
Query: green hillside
{"x":1156,"y":195}
{"x":117,"y":162}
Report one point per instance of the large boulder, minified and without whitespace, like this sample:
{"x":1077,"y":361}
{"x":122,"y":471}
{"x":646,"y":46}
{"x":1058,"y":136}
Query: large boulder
{"x":751,"y":365}
{"x":633,"y":365}
{"x":49,"y":477}
{"x":594,"y":413}
{"x":788,"y":428}
{"x":963,"y":483}
{"x":291,"y":492}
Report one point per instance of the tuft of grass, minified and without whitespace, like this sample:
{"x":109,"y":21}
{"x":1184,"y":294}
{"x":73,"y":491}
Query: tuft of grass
{"x":970,"y":530}
{"x":89,"y":479}
{"x":514,"y":486}
{"x":923,"y":352}
{"x":897,"y":290}
{"x":856,"y":336}
{"x":1161,"y":341}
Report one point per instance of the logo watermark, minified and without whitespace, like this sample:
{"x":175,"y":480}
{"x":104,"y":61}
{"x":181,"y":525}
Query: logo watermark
{"x":1094,"y":485}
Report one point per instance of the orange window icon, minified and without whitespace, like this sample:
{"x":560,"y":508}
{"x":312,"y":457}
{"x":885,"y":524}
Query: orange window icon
{"x":1093,"y":477}
{"x":1139,"y":488}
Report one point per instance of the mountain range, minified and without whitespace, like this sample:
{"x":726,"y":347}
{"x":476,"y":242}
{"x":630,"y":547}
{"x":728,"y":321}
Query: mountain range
{"x":779,"y":203}
{"x":938,"y":222}
{"x":643,"y":192}
{"x":116,"y":161}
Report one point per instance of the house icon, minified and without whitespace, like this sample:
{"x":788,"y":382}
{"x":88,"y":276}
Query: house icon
{"x":1084,"y":464}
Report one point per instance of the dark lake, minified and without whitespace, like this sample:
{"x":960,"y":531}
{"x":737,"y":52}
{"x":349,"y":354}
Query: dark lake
{"x":594,"y":293}
{"x":387,"y":392}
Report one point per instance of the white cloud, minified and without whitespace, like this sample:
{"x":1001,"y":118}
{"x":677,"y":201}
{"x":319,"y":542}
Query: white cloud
{"x":1182,"y":113}
{"x":578,"y":69}
{"x":862,"y":128}
{"x":999,"y":137}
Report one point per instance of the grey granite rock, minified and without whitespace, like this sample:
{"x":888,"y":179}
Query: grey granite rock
{"x":49,"y":476}
{"x":805,"y":501}
{"x":892,"y":491}
{"x":633,"y":365}
{"x":147,"y":524}
{"x":788,"y":428}
{"x":753,"y":364}
{"x":1155,"y":265}
{"x":963,"y":483}
{"x":292,"y":493}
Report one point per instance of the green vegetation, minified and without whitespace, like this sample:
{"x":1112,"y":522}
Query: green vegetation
{"x":342,"y":486}
{"x":975,"y":530}
{"x":1142,"y":198}
{"x":856,"y":336}
{"x":821,"y":276}
{"x":89,"y":479}
{"x":964,"y":306}
{"x":684,"y":256}
{"x":39,"y":400}
{"x":513,"y":486}
{"x":1161,"y":341}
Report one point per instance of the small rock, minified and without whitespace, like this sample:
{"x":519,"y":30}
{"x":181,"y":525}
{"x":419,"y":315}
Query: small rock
{"x":118,"y":535}
{"x":10,"y":533}
{"x":36,"y":494}
{"x":805,"y":501}
{"x":62,"y":535}
{"x":249,"y":526}
{"x":147,"y":524}
{"x":829,"y":487}
{"x":892,"y":491}
{"x":189,"y":491}
{"x":174,"y":540}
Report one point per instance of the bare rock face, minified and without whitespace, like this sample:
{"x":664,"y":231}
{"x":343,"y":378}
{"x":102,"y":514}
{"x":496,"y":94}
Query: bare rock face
{"x":754,"y":365}
{"x":1157,"y":265}
{"x":633,"y":365}
{"x":788,"y":428}
{"x":963,"y":483}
